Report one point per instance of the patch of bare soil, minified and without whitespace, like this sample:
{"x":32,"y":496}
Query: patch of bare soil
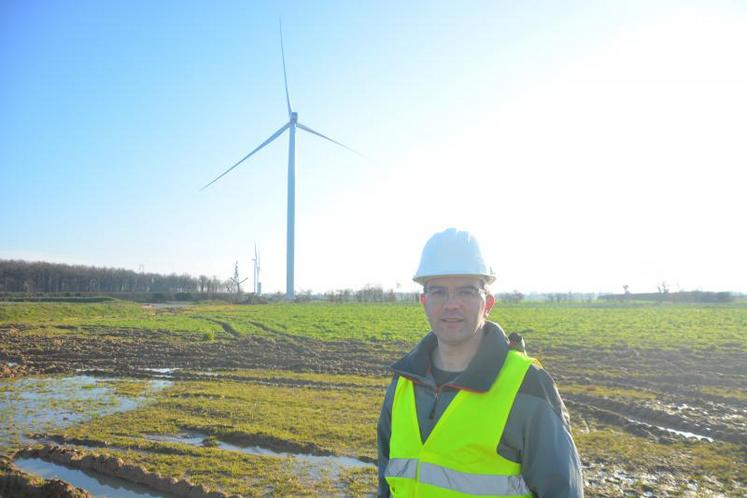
{"x":128,"y":350}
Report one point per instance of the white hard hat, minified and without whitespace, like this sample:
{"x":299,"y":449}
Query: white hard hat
{"x":452,"y":253}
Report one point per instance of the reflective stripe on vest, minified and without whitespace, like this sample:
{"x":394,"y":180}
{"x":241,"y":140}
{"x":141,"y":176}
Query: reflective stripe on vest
{"x":459,"y":458}
{"x":472,"y":484}
{"x":402,"y":467}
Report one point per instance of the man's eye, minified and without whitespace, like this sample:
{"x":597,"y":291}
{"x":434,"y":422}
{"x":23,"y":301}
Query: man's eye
{"x":467,"y":292}
{"x":437,"y":292}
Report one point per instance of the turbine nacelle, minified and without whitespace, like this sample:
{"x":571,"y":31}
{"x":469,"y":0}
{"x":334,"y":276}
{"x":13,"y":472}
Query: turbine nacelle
{"x":294,"y":117}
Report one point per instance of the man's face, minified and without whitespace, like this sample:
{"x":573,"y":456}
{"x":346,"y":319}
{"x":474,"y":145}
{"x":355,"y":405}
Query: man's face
{"x":456,"y":307}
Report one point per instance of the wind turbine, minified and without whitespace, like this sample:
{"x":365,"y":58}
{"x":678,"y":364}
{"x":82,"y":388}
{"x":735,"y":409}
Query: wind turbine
{"x":291,"y":126}
{"x":257,"y":283}
{"x":237,"y":282}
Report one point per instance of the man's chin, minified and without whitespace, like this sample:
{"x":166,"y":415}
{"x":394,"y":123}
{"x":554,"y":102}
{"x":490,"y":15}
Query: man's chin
{"x":453,"y":336}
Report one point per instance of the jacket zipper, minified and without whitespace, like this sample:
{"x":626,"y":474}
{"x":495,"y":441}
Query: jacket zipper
{"x":435,"y":402}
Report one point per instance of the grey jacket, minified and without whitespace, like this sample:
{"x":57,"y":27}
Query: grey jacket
{"x":537,"y":433}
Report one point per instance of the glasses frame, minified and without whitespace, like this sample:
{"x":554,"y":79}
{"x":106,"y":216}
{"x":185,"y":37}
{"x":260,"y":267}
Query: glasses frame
{"x":453,"y":294}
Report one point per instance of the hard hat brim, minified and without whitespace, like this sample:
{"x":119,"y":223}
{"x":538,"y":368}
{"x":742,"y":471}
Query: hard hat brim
{"x":422,"y":279}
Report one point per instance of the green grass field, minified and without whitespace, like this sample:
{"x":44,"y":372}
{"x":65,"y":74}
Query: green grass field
{"x":641,"y":326}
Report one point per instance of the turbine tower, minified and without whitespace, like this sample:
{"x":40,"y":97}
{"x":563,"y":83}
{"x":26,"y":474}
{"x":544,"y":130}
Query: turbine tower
{"x":291,"y":126}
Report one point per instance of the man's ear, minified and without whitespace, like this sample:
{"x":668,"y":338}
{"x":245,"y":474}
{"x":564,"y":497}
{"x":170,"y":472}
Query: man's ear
{"x":422,"y":298}
{"x":489,"y":303}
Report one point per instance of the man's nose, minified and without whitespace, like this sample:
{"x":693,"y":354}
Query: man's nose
{"x":452,"y":299}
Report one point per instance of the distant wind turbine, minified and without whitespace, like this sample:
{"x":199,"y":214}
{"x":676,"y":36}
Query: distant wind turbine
{"x":257,"y":283}
{"x":236,"y":281}
{"x":291,"y":125}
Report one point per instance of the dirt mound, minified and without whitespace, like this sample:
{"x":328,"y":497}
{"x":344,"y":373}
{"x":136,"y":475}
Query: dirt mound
{"x":114,"y":467}
{"x":17,"y":484}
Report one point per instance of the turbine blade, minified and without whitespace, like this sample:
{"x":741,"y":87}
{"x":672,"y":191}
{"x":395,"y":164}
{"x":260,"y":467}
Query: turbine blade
{"x":285,"y":76}
{"x":273,"y":137}
{"x":306,"y":128}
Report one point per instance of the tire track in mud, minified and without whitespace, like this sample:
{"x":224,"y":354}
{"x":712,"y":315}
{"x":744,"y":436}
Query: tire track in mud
{"x":695,"y":397}
{"x":682,"y":390}
{"x":296,"y":344}
{"x":642,"y":420}
{"x":227,"y":328}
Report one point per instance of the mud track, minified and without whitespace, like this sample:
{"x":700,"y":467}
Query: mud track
{"x":699,"y":392}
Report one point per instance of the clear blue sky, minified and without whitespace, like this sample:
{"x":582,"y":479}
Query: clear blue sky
{"x":587,"y":144}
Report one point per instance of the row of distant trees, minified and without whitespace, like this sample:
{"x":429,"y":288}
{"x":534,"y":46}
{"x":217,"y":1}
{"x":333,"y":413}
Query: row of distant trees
{"x":674,"y":297}
{"x":18,"y":276}
{"x":368,"y":294}
{"x":42,"y":277}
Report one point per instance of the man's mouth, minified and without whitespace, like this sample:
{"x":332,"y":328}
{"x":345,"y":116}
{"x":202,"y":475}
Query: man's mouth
{"x":452,"y":320}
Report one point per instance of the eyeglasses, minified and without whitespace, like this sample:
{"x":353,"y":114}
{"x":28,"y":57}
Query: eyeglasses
{"x":439,"y":295}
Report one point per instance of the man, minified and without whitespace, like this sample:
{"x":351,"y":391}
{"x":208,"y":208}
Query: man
{"x":466,"y":415}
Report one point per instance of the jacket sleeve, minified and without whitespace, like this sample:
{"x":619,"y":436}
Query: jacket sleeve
{"x":383,"y":433}
{"x":538,"y":435}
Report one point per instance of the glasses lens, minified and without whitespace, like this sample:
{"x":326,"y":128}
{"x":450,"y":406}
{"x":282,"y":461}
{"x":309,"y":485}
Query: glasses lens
{"x":461,"y":294}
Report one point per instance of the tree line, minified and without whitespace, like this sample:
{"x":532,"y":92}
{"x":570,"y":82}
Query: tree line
{"x":38,"y":278}
{"x":674,"y":297}
{"x":43,"y":277}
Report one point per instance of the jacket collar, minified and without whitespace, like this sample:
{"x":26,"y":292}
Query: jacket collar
{"x":480,"y":373}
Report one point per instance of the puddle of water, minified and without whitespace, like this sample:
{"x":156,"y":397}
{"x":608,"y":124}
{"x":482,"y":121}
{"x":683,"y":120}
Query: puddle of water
{"x":161,"y":373}
{"x":687,"y":434}
{"x":161,"y":370}
{"x":619,"y":476}
{"x":40,"y":404}
{"x":165,"y":306}
{"x":341,"y":461}
{"x":314,"y":464}
{"x":675,"y":431}
{"x":158,"y":385}
{"x":96,"y":484}
{"x":193,"y":439}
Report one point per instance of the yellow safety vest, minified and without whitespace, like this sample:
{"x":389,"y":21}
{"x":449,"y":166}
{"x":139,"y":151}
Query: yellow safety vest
{"x":459,"y":458}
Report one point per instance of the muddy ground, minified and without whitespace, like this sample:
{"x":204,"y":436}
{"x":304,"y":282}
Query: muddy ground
{"x":676,"y":379}
{"x":129,"y":350}
{"x":702,"y":393}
